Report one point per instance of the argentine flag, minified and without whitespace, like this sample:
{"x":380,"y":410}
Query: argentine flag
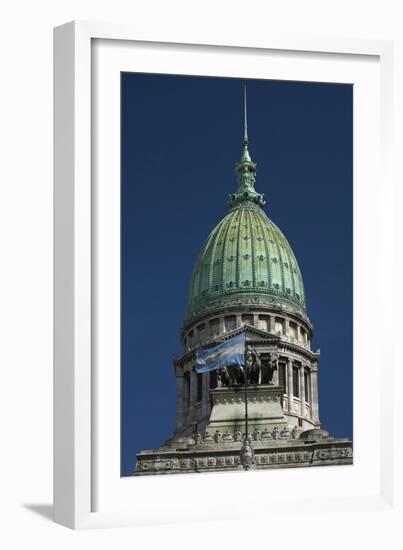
{"x":231,"y":352}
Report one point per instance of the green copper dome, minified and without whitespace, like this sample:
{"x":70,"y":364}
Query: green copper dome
{"x":246,"y":258}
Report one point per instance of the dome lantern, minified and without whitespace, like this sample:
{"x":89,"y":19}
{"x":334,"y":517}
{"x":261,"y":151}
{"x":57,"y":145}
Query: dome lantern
{"x":246,"y":174}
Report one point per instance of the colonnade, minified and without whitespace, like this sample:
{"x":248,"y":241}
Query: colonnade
{"x":300,"y":392}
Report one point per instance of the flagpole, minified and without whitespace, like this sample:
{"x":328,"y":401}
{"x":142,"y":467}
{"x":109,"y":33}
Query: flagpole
{"x":246,"y":395}
{"x":246,"y":453}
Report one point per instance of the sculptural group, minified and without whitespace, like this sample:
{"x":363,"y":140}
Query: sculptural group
{"x":258,"y":371}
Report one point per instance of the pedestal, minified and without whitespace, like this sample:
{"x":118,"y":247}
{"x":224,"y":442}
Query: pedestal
{"x":265,"y":409}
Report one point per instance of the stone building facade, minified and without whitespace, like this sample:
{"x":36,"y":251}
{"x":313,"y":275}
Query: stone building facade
{"x":247,"y":278}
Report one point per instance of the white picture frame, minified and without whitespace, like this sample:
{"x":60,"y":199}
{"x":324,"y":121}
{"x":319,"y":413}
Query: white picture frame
{"x":88,"y":491}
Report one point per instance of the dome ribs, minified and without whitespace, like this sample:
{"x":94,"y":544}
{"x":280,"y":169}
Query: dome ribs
{"x":225,"y":264}
{"x":246,"y":259}
{"x":238,"y":250}
{"x":253,"y":247}
{"x":266,"y":248}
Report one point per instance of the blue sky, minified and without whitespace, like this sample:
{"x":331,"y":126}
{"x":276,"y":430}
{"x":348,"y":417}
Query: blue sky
{"x":181,"y":138}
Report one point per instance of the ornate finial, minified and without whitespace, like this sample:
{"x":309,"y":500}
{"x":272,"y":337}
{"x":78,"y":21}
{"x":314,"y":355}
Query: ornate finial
{"x":246,"y":172}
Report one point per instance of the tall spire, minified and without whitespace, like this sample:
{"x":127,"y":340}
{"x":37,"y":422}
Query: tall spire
{"x":245,"y":137}
{"x":245,"y":154}
{"x":246,"y":171}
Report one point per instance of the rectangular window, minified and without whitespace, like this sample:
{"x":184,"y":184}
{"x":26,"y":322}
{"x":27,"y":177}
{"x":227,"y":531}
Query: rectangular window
{"x":279,"y":326}
{"x":247,"y":320}
{"x":264,"y":322}
{"x":230,"y":323}
{"x":293,"y":330}
{"x":199,"y":393}
{"x":214,"y":327}
{"x":187,"y":389}
{"x":281,"y":376}
{"x":307,"y":383}
{"x":295,"y":381}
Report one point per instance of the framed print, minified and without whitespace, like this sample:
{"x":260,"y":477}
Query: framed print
{"x":246,"y":301}
{"x":217,"y":220}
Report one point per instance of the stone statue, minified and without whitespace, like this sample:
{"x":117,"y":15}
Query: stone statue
{"x":248,"y":359}
{"x":296,"y":432}
{"x":227,"y":437}
{"x":253,"y":365}
{"x":218,"y":436}
{"x":285,"y":433}
{"x":257,"y":436}
{"x":266,"y":434}
{"x":274,"y":369}
{"x":239,"y":374}
{"x":198,"y":438}
{"x":275,"y":433}
{"x":270,"y":369}
{"x":237,"y":436}
{"x":208,"y":438}
{"x":232,"y":370}
{"x":223,"y":376}
{"x":229,"y":375}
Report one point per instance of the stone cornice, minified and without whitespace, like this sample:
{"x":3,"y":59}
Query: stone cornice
{"x":247,"y":309}
{"x":226,"y":456}
{"x":266,"y":339}
{"x":233,"y":309}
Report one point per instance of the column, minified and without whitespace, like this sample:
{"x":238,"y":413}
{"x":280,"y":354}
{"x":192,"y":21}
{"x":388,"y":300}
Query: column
{"x":221,"y":325}
{"x":256,"y":320}
{"x":302,"y":388}
{"x":287,"y":328}
{"x":299,"y":335}
{"x":238,"y":320}
{"x":179,"y":399}
{"x":206,"y":396}
{"x":193,"y":390}
{"x":272,"y":324}
{"x":314,"y":394}
{"x":290,"y":390}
